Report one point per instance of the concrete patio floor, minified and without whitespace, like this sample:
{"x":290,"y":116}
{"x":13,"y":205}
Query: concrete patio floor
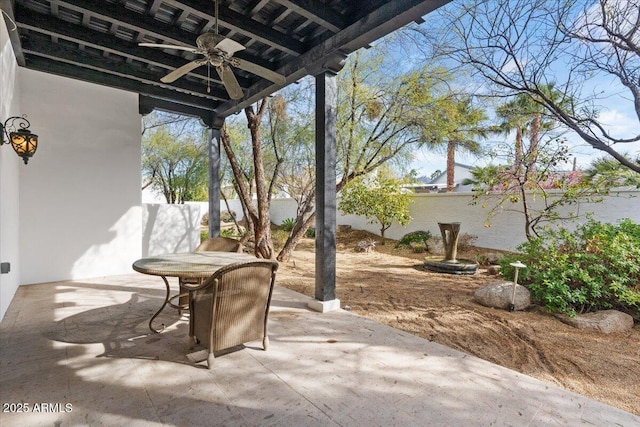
{"x":83,"y":349}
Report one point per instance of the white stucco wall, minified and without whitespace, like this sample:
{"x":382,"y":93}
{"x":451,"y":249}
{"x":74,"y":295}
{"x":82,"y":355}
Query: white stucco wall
{"x":282,"y":209}
{"x":170,"y":228}
{"x":10,"y":165}
{"x":504,"y":231}
{"x":80,"y":203}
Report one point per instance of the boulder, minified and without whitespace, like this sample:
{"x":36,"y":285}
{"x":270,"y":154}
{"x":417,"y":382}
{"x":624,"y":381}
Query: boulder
{"x":498,"y":295}
{"x":604,"y":321}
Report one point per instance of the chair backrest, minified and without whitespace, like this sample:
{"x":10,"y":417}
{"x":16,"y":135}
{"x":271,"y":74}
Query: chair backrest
{"x":222,"y":244}
{"x":233,"y":305}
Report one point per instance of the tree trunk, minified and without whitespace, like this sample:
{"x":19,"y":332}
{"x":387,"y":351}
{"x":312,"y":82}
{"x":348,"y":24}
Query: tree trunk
{"x":527,"y":214}
{"x":262,"y":234}
{"x":534,"y":136}
{"x":299,"y":230}
{"x":382,"y":230}
{"x":451,"y":164}
{"x":262,"y":223}
{"x":518,"y":154}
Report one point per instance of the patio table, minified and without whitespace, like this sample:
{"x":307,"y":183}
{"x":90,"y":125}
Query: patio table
{"x":188,"y":265}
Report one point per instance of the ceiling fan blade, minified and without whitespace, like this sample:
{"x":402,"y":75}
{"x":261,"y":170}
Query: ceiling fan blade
{"x":229,"y":81}
{"x":179,"y":72}
{"x":229,"y":46}
{"x":260,"y":71}
{"x":170,"y":46}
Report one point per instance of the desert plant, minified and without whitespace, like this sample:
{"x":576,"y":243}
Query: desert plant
{"x":596,"y":266}
{"x":418,"y":240}
{"x":311,"y":232}
{"x":287,"y":224}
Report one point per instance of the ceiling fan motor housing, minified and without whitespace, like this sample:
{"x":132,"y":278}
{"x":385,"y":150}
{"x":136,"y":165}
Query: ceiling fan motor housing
{"x":208,"y":41}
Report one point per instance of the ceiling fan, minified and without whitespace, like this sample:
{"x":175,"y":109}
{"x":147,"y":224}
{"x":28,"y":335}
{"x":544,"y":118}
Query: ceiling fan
{"x":218,"y":52}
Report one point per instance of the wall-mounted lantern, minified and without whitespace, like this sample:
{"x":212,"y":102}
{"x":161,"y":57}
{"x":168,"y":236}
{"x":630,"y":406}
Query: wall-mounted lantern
{"x":22,"y":140}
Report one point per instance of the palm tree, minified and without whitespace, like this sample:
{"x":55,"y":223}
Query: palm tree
{"x":515,"y":116}
{"x":524,"y":115}
{"x":460,"y":126}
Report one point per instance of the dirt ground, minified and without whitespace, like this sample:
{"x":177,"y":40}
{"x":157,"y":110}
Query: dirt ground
{"x":390,"y":286}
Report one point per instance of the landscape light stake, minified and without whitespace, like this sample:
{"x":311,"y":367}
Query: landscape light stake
{"x":518,"y":265}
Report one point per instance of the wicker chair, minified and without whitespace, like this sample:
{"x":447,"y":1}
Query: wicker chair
{"x":220,"y":244}
{"x":231,"y":307}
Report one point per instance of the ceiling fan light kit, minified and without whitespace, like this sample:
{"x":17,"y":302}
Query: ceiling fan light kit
{"x":218,"y":51}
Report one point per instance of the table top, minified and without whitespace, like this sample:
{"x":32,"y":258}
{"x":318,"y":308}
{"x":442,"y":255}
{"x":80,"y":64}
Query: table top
{"x":188,"y":264}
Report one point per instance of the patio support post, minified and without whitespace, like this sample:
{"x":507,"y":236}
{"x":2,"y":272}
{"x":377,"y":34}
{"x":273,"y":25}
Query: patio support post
{"x":215,"y":132}
{"x":326,"y":102}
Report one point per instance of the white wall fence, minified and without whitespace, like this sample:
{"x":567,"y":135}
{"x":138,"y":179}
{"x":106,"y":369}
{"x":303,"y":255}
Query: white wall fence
{"x":170,"y":228}
{"x":504,"y":230}
{"x":175,"y":228}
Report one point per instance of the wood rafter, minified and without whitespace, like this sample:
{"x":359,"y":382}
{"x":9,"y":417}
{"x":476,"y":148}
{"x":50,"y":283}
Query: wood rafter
{"x":97,"y":41}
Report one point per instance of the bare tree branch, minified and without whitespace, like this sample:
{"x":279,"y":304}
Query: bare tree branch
{"x":520,"y":46}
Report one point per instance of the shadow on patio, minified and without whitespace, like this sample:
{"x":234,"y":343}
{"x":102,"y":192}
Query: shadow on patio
{"x":88,"y":344}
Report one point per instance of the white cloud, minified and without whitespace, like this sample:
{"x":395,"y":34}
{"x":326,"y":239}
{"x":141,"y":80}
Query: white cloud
{"x":512,"y":66}
{"x":619,"y":124}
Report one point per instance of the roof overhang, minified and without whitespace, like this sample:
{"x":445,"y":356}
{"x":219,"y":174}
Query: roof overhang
{"x":97,"y":41}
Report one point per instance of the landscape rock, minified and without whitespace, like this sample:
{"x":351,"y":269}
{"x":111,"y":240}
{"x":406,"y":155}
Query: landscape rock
{"x":604,"y":321}
{"x":498,"y":295}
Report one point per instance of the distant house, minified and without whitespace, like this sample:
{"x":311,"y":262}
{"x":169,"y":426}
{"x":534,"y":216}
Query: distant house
{"x":439,"y":183}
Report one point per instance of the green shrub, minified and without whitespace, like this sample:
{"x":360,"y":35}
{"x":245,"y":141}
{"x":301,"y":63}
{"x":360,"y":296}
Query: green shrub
{"x":596,"y":266}
{"x":287,"y":224}
{"x":228,"y":232}
{"x":311,"y":232}
{"x":417,"y":240}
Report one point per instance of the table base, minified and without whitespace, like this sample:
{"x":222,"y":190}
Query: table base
{"x":167,"y":301}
